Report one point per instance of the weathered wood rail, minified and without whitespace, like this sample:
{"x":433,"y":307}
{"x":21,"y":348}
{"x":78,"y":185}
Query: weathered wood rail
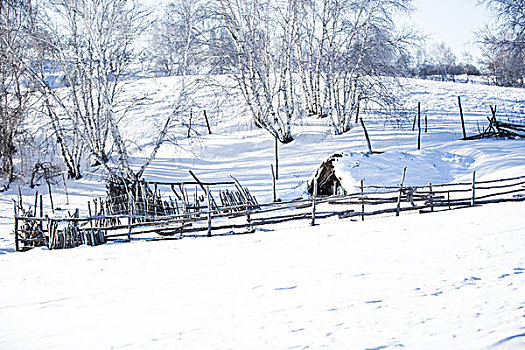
{"x":67,"y":232}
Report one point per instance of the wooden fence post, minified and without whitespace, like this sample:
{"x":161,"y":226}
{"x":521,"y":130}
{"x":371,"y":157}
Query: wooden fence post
{"x":276,"y":159}
{"x":36,"y":203}
{"x":203,"y":188}
{"x":473,"y":201}
{"x":41,"y":212}
{"x":189,"y":126}
{"x":419,"y":125}
{"x":50,"y":197}
{"x":494,"y":121}
{"x":76,"y":232}
{"x":130,"y":212}
{"x":248,"y":221}
{"x":273,"y":184}
{"x":398,"y":207}
{"x":493,"y":111}
{"x":207,"y":122}
{"x":462,"y":120}
{"x":362,"y":200}
{"x":17,"y":246}
{"x":366,"y":136}
{"x":51,"y":228}
{"x":314,"y":201}
{"x":209,"y":210}
{"x":20,"y":200}
{"x":431,"y":197}
{"x":415,"y":120}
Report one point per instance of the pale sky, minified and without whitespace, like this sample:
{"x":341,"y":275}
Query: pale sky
{"x":451,"y":21}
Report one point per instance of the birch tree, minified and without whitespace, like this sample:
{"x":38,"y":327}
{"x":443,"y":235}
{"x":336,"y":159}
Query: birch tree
{"x":442,"y":57}
{"x":263,"y":34}
{"x":15,"y":19}
{"x":180,"y":40}
{"x":348,"y":53}
{"x":91,"y":43}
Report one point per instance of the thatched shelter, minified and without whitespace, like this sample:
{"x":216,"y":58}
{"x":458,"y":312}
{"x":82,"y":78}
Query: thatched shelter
{"x":328,"y":182}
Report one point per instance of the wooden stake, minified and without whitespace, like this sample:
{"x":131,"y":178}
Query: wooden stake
{"x":357,"y":114}
{"x":431,"y":197}
{"x":202,"y":187}
{"x":175,"y":192}
{"x":184,"y":200}
{"x":314,"y":201}
{"x":50,"y":196}
{"x":207,"y":122}
{"x":129,"y":218}
{"x":366,"y":136}
{"x":493,"y":121}
{"x":90,"y":216}
{"x":273,"y":182}
{"x":419,"y":125}
{"x":473,"y":201}
{"x":493,"y":111}
{"x":248,"y":220}
{"x":189,"y":124}
{"x":92,"y":235}
{"x":209,"y":210}
{"x":17,"y":246}
{"x":400,"y":191}
{"x":20,"y":198}
{"x":462,"y":120}
{"x":426,"y":123}
{"x":36,"y":203}
{"x":65,"y":188}
{"x":362,"y":200}
{"x":276,"y":159}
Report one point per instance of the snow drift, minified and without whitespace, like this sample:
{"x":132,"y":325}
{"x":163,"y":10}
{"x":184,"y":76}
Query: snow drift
{"x":385,"y":169}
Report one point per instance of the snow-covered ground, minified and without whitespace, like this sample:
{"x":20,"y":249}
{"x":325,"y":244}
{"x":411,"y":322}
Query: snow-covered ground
{"x":451,"y":279}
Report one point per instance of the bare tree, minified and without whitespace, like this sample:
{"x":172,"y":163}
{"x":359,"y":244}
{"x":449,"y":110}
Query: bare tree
{"x":91,"y":44}
{"x":442,"y":57}
{"x":504,"y":42}
{"x":15,"y":18}
{"x":180,"y":38}
{"x":348,"y":51}
{"x":263,"y":34}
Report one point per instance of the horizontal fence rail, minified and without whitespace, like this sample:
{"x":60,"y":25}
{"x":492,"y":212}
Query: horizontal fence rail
{"x":67,"y":232}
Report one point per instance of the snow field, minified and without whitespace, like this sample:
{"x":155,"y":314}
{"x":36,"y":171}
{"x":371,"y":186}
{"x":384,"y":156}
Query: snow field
{"x":446,"y":280}
{"x":450,"y":279}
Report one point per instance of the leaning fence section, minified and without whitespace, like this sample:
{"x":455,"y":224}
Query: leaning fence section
{"x":163,"y":208}
{"x":212,"y":209}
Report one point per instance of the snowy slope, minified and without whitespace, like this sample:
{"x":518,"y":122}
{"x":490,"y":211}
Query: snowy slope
{"x":450,"y":280}
{"x":445,"y":280}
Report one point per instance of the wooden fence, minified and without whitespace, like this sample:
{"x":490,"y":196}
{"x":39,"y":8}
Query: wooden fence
{"x":221,"y":218}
